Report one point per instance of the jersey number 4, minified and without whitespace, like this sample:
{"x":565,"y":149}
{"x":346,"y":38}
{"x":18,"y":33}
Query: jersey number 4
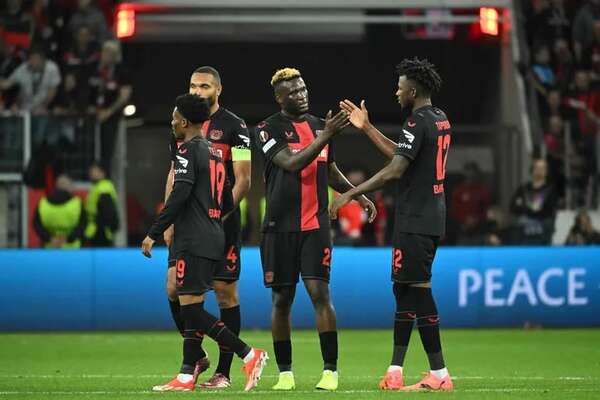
{"x":442,"y":156}
{"x":217,"y":180}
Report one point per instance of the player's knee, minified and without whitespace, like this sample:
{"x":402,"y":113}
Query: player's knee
{"x":227,"y":294}
{"x":282,"y":301}
{"x":319,"y":296}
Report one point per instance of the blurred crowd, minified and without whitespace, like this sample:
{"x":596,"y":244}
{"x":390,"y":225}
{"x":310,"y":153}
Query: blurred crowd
{"x":59,"y":61}
{"x":564,"y":43}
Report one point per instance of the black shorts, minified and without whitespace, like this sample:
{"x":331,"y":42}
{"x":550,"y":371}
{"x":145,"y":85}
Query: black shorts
{"x":194,"y":275}
{"x":286,"y":255}
{"x":412,"y":257}
{"x":229,"y":269}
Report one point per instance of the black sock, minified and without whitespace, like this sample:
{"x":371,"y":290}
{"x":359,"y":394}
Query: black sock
{"x":232,"y":320}
{"x":329,"y":349}
{"x":205,"y":323}
{"x":403,"y":321}
{"x":283,"y":354}
{"x":429,"y":328}
{"x":176,"y":314}
{"x":192,"y":338}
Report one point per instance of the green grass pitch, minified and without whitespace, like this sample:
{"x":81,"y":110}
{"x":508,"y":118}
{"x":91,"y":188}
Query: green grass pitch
{"x":486,"y":364}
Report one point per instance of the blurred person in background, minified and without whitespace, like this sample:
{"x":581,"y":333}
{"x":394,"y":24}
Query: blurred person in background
{"x":469,"y":204}
{"x":583,"y":27}
{"x":555,"y":151}
{"x":585,"y":101}
{"x":101,"y":209}
{"x":551,"y":22}
{"x":543,"y":77}
{"x":111,"y":90}
{"x":38,"y":80}
{"x":81,"y":60}
{"x":562,"y":63}
{"x":534,"y":206}
{"x":583,"y":232}
{"x":10,"y":59}
{"x":496,"y":227}
{"x":352,"y":218}
{"x":59,"y":218}
{"x":90,"y":16}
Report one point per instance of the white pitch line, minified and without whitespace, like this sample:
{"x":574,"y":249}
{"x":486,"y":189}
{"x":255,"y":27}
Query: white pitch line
{"x":350,"y":377}
{"x":299,"y":392}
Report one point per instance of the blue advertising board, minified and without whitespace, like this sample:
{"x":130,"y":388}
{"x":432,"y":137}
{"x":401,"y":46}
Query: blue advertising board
{"x":474,"y":287}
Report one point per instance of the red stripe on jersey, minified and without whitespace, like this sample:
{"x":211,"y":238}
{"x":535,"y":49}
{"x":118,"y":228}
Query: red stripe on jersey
{"x":223,"y":149}
{"x":204,"y":129}
{"x":309,"y":201}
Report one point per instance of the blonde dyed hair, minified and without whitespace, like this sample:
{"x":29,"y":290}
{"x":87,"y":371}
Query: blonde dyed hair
{"x":284,"y":74}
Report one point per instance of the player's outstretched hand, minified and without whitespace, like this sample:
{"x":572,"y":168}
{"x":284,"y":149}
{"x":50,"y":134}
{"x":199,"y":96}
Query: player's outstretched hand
{"x":359,"y":117}
{"x":336,"y":204}
{"x":147,"y":246}
{"x":369,"y":207}
{"x":336,"y":123}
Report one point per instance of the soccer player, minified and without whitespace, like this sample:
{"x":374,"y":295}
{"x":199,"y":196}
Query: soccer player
{"x":199,"y":198}
{"x":229,"y":136}
{"x":299,"y":165}
{"x":418,"y":164}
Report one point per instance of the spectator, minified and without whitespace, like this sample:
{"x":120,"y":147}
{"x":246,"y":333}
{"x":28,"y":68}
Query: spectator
{"x":352,"y":217}
{"x":534,"y":206}
{"x":583,"y":232}
{"x":555,"y":105}
{"x":66,"y":102}
{"x":591,"y":56}
{"x":82,"y":56}
{"x":45,"y":26}
{"x":10,"y":59}
{"x":586,"y":102}
{"x":551,"y":22}
{"x":38,"y":80}
{"x":88,"y":15}
{"x":101,"y":209}
{"x":59,"y":219}
{"x":555,"y":148}
{"x":563,"y":64}
{"x":543,"y":76}
{"x":81,"y":61}
{"x":495,"y":227}
{"x":111,"y":88}
{"x":583,"y":27}
{"x":469,"y":205}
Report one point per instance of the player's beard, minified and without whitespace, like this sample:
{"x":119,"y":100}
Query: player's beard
{"x":211,"y":101}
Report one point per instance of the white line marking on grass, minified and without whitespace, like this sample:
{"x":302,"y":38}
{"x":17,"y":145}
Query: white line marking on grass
{"x":291,"y":393}
{"x":342,"y":376}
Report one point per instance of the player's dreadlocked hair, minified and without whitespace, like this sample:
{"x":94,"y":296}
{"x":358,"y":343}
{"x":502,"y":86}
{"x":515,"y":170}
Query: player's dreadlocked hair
{"x":193,"y":108}
{"x":284,"y":74}
{"x":421,"y":71}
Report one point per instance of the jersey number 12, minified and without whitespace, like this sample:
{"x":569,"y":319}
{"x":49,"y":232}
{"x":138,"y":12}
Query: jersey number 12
{"x":442,"y":156}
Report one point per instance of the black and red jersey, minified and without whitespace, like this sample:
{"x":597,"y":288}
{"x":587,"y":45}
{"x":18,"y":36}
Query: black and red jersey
{"x":421,"y":201}
{"x":226,"y":131}
{"x":201,"y":194}
{"x":296,"y":201}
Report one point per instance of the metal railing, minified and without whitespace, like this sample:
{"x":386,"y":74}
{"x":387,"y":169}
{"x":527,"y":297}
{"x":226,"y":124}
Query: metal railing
{"x":69,"y":143}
